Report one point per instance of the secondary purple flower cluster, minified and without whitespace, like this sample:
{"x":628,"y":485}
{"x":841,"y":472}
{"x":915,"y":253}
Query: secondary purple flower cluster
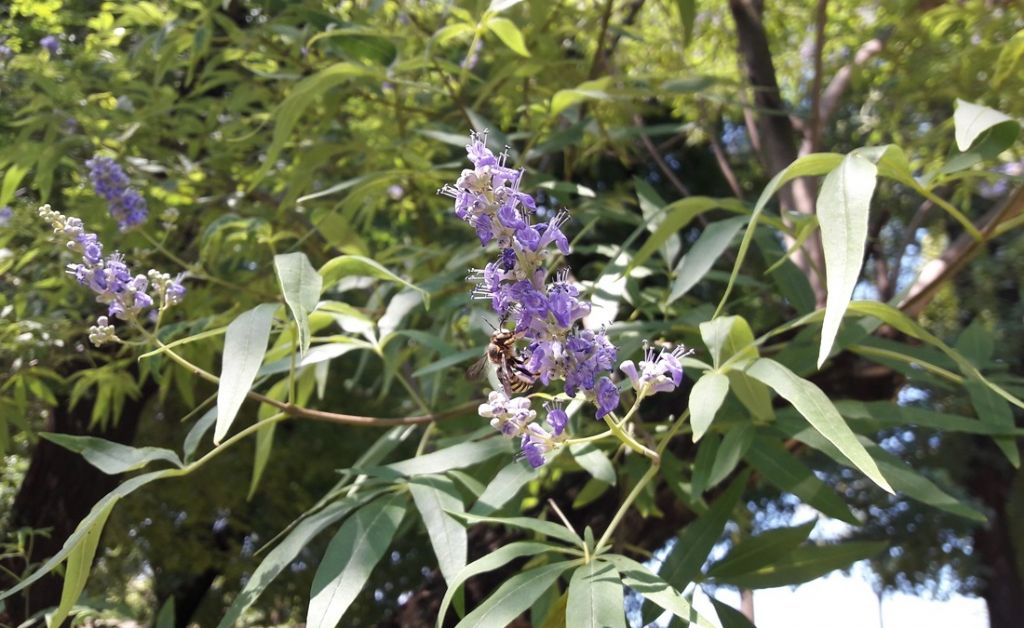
{"x":127,"y":206}
{"x":544,"y":313}
{"x":50,"y":43}
{"x":127,"y":296}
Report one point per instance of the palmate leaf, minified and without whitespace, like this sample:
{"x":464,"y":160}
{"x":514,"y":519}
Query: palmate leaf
{"x":350,"y":557}
{"x":595,"y":597}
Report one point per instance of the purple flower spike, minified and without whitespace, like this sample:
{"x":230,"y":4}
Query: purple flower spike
{"x":126,"y":205}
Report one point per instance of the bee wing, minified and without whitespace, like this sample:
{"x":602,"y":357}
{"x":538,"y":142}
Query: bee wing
{"x":477,"y":369}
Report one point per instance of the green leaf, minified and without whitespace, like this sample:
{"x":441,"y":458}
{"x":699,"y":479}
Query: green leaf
{"x":433,"y":495}
{"x":288,"y":113}
{"x":539,"y":526}
{"x":900,"y":475}
{"x":735,"y":443}
{"x":994,"y":410}
{"x":505,"y":485}
{"x":76,"y":574}
{"x":489,"y":562}
{"x":12,"y":179}
{"x":354,"y":265}
{"x":301,"y":286}
{"x":264,"y":445}
{"x":715,"y":239}
{"x":109,"y":457}
{"x":812,"y":403}
{"x":85,"y":525}
{"x":804,"y":564}
{"x":843,"y":205}
{"x":198,"y":431}
{"x":514,"y":596}
{"x":245,"y":344}
{"x":808,"y":165}
{"x":785,"y":471}
{"x":759,"y":551}
{"x":683,"y":563}
{"x":278,"y":559}
{"x":887,"y":414}
{"x":509,"y":34}
{"x":165,"y":618}
{"x":595,"y":461}
{"x":350,"y":557}
{"x":903,"y":323}
{"x":687,"y":18}
{"x":587,"y":90}
{"x":643,"y":581}
{"x":595,"y":597}
{"x":729,"y":616}
{"x":677,"y":215}
{"x":728,"y":336}
{"x":705,"y":400}
{"x":971,"y":121}
{"x":455,"y":457}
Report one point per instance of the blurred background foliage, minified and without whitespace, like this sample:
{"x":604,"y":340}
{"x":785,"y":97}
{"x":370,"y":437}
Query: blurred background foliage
{"x":256,"y":128}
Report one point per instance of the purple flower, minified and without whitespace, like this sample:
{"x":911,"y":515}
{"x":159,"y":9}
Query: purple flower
{"x":657,"y":373}
{"x":607,"y":397}
{"x":535,"y":445}
{"x":5,"y":52}
{"x":126,"y":205}
{"x":50,"y":43}
{"x":509,"y":416}
{"x":126,"y":296}
{"x":6,"y":213}
{"x":557,"y":418}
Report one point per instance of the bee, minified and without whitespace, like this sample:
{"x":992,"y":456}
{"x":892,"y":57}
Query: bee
{"x":511,"y":369}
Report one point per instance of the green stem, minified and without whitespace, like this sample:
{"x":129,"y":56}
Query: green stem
{"x":644,"y":480}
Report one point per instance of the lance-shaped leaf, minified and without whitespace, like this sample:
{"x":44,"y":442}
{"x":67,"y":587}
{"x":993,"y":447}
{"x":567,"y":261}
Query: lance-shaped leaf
{"x":544,"y":528}
{"x":811,"y":402}
{"x":489,"y":562}
{"x":595,"y":461}
{"x":109,"y":457}
{"x":300,"y":285}
{"x":804,"y":564}
{"x":643,"y":581}
{"x":505,"y":485}
{"x":98,"y":512}
{"x":785,"y":471}
{"x":245,"y":344}
{"x":595,"y":597}
{"x":433,"y":495}
{"x":509,"y":34}
{"x":715,"y":239}
{"x":705,"y":400}
{"x":759,"y":551}
{"x":355,"y":265}
{"x":843,"y":216}
{"x":350,"y":557}
{"x":79,"y":564}
{"x":283,"y":554}
{"x":514,"y":596}
{"x":970,"y":121}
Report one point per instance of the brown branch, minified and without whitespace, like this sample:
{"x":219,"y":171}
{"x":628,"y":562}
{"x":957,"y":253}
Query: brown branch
{"x":652,"y":150}
{"x":813,"y":130}
{"x":938,"y":271}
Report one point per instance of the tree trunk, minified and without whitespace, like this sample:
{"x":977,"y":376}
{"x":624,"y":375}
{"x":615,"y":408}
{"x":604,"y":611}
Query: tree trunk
{"x":59,"y":489}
